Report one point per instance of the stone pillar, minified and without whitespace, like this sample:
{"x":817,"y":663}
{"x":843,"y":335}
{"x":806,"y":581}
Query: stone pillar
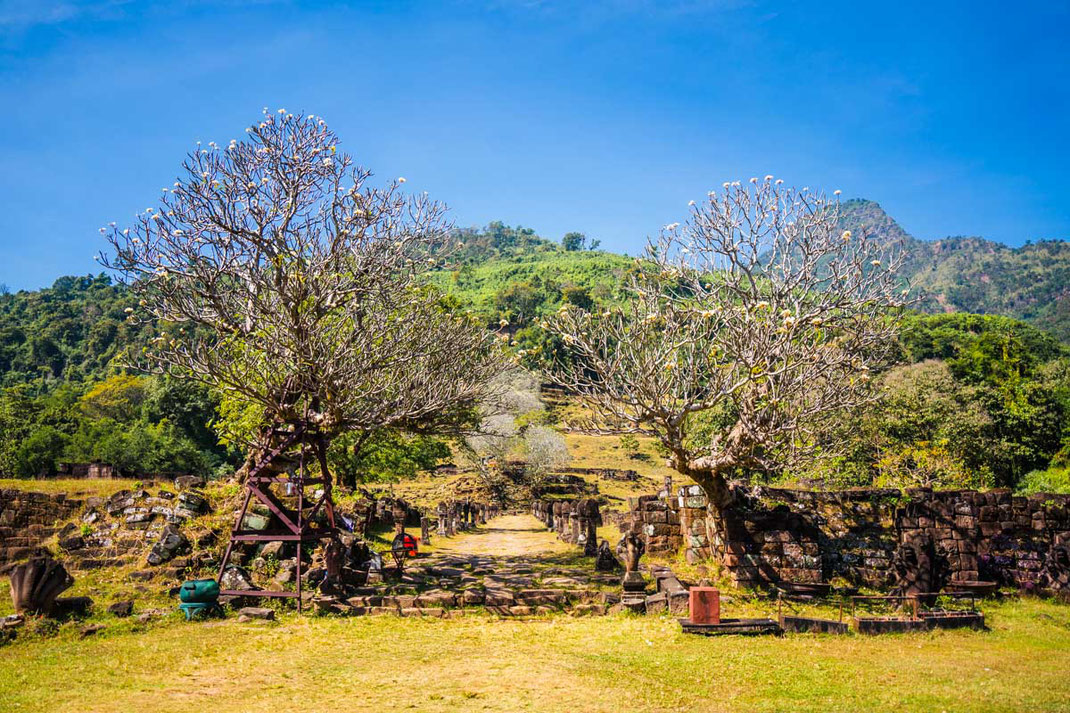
{"x":399,"y":512}
{"x":589,"y":521}
{"x":443,"y":520}
{"x":425,"y":530}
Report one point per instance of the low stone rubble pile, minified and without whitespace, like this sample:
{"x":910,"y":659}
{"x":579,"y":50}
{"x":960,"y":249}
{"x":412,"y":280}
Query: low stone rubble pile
{"x":447,"y":586}
{"x":134,"y":524}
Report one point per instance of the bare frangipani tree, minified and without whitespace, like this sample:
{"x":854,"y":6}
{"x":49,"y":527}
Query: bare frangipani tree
{"x":745,"y":329}
{"x":284,"y":279}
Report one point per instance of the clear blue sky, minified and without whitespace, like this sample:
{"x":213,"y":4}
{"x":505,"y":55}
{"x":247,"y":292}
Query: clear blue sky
{"x":603,"y":116}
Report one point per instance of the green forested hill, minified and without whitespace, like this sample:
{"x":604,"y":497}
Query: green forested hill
{"x":970,"y":274}
{"x":70,"y":331}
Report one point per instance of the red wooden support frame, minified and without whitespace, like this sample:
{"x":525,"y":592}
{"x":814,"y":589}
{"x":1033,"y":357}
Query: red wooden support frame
{"x":298,"y":526}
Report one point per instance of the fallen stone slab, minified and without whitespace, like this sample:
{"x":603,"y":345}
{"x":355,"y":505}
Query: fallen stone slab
{"x":678,"y":602}
{"x":449,"y":572}
{"x":257,"y":613}
{"x":472,"y":597}
{"x":71,"y":544}
{"x":657,"y":604}
{"x":499,"y":598}
{"x":436,"y":599}
{"x":185,"y":482}
{"x":542,"y":597}
{"x":732,"y":626}
{"x":171,"y":543}
{"x":71,"y":607}
{"x":888,"y":625}
{"x":807,"y":625}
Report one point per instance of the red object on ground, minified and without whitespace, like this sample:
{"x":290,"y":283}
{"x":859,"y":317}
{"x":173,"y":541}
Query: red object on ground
{"x":705,"y":605}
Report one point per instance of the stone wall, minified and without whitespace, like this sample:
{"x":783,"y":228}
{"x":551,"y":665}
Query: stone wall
{"x":28,"y":519}
{"x":776,"y":535}
{"x":805,"y":536}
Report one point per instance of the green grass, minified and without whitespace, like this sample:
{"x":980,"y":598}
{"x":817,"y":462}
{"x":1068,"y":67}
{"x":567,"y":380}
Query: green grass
{"x":552,"y":664}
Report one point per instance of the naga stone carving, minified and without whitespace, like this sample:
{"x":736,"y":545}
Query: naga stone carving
{"x":36,"y":584}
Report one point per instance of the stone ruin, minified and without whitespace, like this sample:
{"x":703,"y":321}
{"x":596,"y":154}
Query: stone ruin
{"x":575,"y":521}
{"x":868,"y":537}
{"x":453,"y":516}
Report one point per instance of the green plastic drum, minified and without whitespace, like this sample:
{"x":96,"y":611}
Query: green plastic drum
{"x":199,"y":591}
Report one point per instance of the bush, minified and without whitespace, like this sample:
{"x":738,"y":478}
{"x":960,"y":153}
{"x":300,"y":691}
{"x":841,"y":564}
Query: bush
{"x":1053,"y":480}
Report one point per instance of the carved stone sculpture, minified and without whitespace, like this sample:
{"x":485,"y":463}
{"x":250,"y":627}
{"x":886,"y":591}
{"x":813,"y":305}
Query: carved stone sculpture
{"x":630,"y":549}
{"x":921,"y":568}
{"x":36,"y":584}
{"x":605,"y":561}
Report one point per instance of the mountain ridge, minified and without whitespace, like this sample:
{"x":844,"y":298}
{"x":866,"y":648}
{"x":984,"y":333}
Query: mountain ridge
{"x":974,"y":274}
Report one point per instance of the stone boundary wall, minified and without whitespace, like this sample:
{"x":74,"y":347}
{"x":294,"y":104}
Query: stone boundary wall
{"x":778,"y":534}
{"x":28,"y":519}
{"x":574,"y":521}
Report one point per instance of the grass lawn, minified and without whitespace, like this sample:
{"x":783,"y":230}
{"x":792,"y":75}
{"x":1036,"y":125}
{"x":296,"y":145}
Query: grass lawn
{"x":552,"y":664}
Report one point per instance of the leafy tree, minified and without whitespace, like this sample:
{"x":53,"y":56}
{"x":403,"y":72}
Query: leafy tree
{"x":519,"y":303}
{"x":40,"y":451}
{"x":760,"y":306}
{"x":118,"y":398}
{"x":579,"y":297}
{"x":387,"y":455}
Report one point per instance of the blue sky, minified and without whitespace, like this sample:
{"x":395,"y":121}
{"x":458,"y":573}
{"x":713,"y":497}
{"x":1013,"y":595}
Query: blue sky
{"x":603,"y":116}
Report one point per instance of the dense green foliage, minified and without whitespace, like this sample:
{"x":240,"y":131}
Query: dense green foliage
{"x":66,"y":399}
{"x":69,"y":332}
{"x":982,"y":401}
{"x":979,"y":400}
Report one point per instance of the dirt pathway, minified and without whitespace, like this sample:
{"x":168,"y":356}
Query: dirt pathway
{"x":507,"y":536}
